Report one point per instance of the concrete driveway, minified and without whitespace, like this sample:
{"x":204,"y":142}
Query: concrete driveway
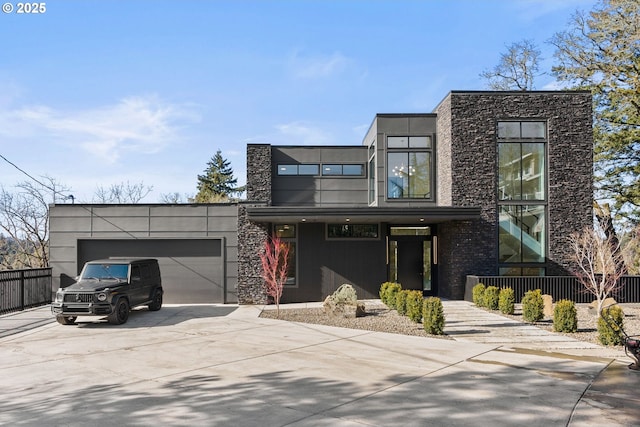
{"x":214,"y":365}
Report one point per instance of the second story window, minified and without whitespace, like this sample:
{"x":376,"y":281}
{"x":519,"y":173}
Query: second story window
{"x":521,"y":160}
{"x":299,"y":169}
{"x":409,"y":167}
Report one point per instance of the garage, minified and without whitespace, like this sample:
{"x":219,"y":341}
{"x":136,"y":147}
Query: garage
{"x":192,"y":269}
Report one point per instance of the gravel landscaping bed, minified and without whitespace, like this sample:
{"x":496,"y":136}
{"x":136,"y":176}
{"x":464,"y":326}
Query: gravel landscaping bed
{"x":588,"y":323}
{"x":380,"y":318}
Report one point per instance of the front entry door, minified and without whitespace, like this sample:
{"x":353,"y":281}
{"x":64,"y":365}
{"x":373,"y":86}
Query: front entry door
{"x":411,"y":259}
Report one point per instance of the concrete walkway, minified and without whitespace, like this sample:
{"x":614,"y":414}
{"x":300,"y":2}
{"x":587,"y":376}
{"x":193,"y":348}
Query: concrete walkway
{"x":222,"y":365}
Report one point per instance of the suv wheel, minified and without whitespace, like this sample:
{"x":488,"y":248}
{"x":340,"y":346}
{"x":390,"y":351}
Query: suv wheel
{"x":66,"y":320}
{"x":156,"y":302}
{"x":120,"y":313}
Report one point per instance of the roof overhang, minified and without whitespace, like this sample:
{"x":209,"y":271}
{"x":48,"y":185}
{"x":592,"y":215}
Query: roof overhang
{"x":399,"y":215}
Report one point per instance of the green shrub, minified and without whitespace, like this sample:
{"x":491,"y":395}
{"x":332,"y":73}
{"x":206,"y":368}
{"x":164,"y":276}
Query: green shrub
{"x":401,"y":301}
{"x":565,"y":316}
{"x":383,"y":292}
{"x":477,"y":294}
{"x":414,"y":305}
{"x":532,"y":306}
{"x":390,"y":294}
{"x":507,"y":301}
{"x":491,"y":295}
{"x":610,"y":326}
{"x":433,"y":316}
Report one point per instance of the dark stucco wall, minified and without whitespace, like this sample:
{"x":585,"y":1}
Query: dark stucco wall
{"x":325,"y":264}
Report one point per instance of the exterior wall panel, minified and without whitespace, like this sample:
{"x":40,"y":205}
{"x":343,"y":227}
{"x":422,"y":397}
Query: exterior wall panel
{"x":324,"y":265}
{"x":183,"y":225}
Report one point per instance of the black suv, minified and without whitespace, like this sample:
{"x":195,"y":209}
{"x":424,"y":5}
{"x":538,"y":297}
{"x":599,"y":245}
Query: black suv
{"x":110,"y":287}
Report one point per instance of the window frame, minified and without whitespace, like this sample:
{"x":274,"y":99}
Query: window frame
{"x":521,"y":203}
{"x":408,"y":150}
{"x":292,"y":241}
{"x":279,"y":167}
{"x":338,"y":170}
{"x":351,"y":238}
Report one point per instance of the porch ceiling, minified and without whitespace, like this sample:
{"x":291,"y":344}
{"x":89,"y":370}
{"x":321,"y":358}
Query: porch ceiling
{"x":400,"y":215}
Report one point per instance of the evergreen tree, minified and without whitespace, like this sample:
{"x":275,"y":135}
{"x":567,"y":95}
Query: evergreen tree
{"x":601,"y":52}
{"x":217,"y":184}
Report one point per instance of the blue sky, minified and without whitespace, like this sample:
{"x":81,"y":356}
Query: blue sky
{"x":95,"y":93}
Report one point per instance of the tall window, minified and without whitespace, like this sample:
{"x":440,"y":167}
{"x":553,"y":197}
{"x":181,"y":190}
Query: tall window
{"x":287,"y":234}
{"x":372,"y":172}
{"x":409,"y":160}
{"x":522,"y":197}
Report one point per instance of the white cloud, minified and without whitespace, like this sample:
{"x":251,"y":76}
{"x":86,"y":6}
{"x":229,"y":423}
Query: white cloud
{"x":134,"y":124}
{"x":318,"y":66}
{"x":303,"y":134}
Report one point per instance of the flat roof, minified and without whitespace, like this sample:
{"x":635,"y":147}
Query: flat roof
{"x":406,"y":215}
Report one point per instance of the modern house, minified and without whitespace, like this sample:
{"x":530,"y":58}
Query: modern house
{"x":489,"y":183}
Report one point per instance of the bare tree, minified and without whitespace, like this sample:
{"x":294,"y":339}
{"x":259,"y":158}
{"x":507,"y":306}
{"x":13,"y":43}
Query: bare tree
{"x":24,"y":217}
{"x":275,"y":265}
{"x":517,"y":69}
{"x":174,"y":198}
{"x":125,"y":192}
{"x":599,"y":263}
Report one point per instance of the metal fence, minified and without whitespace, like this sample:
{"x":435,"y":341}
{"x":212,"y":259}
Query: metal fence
{"x":559,"y":287}
{"x":20,"y":289}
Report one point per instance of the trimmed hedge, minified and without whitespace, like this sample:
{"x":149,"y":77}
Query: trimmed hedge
{"x":433,"y":316}
{"x":565,"y":316}
{"x":491,"y":295}
{"x":401,"y":301}
{"x":610,"y":326}
{"x":388,"y":292}
{"x":533,"y":306}
{"x":414,"y":305}
{"x":507,"y":301}
{"x":477,"y":294}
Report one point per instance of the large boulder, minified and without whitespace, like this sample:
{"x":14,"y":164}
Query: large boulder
{"x":344,"y":303}
{"x":548,"y":305}
{"x":608,"y":302}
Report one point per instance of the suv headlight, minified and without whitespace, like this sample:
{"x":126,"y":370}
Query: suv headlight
{"x":59,"y":295}
{"x":102,"y":296}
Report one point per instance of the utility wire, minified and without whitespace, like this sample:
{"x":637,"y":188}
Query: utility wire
{"x":133,"y":236}
{"x":36,"y":180}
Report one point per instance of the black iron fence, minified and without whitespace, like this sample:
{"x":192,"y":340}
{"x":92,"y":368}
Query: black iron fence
{"x":20,"y":289}
{"x":559,"y":287}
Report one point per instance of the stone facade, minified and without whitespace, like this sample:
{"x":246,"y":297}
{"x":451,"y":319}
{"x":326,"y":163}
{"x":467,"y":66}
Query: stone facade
{"x":466,"y":164}
{"x":468,"y":174}
{"x":252,"y":236}
{"x":259,"y":171}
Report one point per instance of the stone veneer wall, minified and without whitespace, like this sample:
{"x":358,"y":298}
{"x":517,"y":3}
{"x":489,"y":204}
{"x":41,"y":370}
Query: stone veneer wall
{"x":443,"y":154}
{"x":259,"y":173}
{"x":251,"y":236}
{"x":471,"y":154}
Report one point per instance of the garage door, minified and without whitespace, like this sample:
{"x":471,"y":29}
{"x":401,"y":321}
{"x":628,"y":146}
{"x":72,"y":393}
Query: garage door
{"x":192,"y":269}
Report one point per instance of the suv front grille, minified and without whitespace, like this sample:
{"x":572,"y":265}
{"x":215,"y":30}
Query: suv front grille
{"x":78,"y":297}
